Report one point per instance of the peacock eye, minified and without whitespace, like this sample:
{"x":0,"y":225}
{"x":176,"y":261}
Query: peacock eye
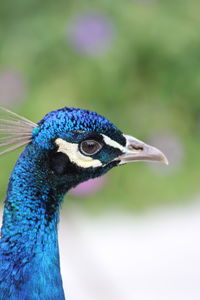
{"x":90,"y":147}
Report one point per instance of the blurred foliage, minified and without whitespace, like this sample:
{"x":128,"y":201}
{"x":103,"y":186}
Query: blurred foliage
{"x":147,"y":83}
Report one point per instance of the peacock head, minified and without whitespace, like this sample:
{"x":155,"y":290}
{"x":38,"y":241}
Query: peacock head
{"x":81,"y":144}
{"x":85,"y":145}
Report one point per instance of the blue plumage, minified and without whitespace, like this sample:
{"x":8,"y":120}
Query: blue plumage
{"x":60,"y":123}
{"x":29,"y":247}
{"x":66,"y":147}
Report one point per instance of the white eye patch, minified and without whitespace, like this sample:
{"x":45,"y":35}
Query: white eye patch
{"x":74,"y":155}
{"x":112,"y":143}
{"x":81,"y":160}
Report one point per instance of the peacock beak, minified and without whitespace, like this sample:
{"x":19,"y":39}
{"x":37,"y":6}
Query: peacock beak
{"x":136,"y":150}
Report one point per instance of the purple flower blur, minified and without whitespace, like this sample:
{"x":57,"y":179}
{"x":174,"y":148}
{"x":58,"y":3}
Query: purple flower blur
{"x":12,"y":87}
{"x":91,"y":33}
{"x":172,"y":146}
{"x":89,"y":187}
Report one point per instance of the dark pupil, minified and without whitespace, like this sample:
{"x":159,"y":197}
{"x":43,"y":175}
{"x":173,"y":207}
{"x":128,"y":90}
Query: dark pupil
{"x":90,"y":147}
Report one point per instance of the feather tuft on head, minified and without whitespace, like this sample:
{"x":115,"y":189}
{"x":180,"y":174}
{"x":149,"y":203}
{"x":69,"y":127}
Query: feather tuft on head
{"x":15,"y":130}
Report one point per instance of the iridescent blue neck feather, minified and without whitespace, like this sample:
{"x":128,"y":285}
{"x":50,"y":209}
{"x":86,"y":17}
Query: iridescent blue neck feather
{"x":29,"y":254}
{"x":29,"y":244}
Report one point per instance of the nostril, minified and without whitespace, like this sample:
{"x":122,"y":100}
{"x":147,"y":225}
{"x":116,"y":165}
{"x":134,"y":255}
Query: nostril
{"x":135,"y":147}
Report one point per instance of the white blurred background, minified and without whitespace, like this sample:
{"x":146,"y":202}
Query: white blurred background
{"x":151,"y":256}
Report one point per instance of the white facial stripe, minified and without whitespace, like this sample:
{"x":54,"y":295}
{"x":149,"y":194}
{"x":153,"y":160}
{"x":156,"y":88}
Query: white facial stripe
{"x":71,"y":150}
{"x":113,"y":143}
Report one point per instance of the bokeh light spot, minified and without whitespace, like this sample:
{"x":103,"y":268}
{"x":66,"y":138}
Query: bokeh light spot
{"x":91,"y":33}
{"x":173,"y":149}
{"x":12,"y":87}
{"x":89,"y":187}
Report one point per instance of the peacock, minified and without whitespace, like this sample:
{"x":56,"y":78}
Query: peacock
{"x":68,"y":146}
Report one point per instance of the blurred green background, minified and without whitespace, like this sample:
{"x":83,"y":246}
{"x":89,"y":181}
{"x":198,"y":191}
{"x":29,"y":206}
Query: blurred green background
{"x":136,"y":62}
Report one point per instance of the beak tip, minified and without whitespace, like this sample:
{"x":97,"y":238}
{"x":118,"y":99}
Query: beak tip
{"x":165,"y":160}
{"x":161,"y":157}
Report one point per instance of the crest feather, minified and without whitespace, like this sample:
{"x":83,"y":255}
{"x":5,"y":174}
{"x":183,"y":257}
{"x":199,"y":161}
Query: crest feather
{"x":15,"y":130}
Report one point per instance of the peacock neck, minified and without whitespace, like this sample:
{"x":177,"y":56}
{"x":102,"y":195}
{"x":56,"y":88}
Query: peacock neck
{"x":29,"y":241}
{"x":32,"y":203}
